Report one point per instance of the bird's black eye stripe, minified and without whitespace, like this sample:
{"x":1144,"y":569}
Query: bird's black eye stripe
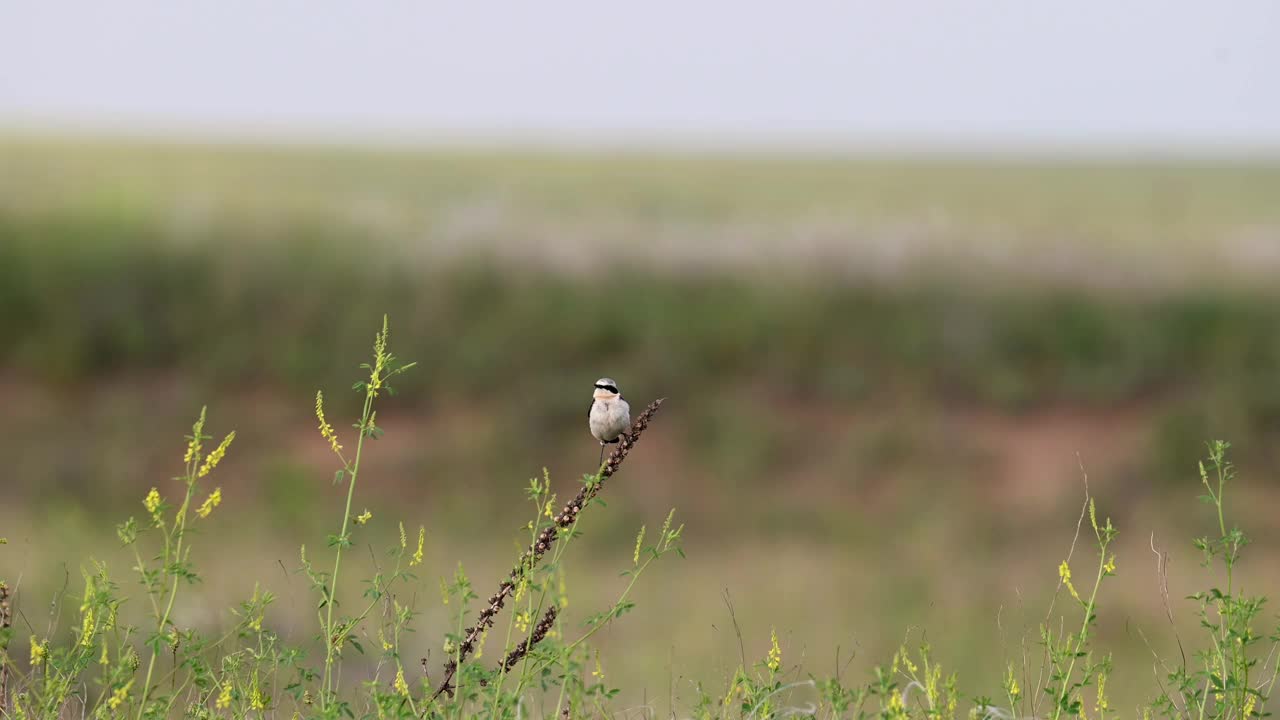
{"x":611,"y":388}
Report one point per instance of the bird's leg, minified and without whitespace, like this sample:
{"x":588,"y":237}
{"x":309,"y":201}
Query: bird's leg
{"x":601,"y":461}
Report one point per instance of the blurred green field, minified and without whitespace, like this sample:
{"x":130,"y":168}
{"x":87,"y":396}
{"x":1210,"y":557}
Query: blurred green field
{"x":884,"y":373}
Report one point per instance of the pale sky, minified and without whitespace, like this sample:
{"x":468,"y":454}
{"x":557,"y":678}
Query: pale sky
{"x":1171,"y":74}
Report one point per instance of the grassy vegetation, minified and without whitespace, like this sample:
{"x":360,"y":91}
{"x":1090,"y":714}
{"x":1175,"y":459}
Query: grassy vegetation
{"x":86,"y":297}
{"x":884,"y":372}
{"x":90,"y":661}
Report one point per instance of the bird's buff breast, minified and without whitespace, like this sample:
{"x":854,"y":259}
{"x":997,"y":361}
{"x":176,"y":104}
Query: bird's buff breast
{"x":608,"y":419}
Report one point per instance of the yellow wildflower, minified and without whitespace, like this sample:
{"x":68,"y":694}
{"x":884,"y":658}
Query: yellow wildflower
{"x":363,"y":517}
{"x":1103,"y":705}
{"x":598,"y":673}
{"x":326,"y":430}
{"x":152,"y":502}
{"x":211,"y":502}
{"x":224,"y":698}
{"x":522,"y":621}
{"x":193,"y":441}
{"x":1011,"y":684}
{"x":401,"y":686}
{"x":1110,"y":566}
{"x":417,"y":554}
{"x":906,"y":660}
{"x":896,"y":706}
{"x":39,"y":651}
{"x":87,"y":629}
{"x":119,"y":696}
{"x":382,"y":638}
{"x":635,"y":556}
{"x":1064,"y":574}
{"x":256,"y":700}
{"x":379,"y":358}
{"x":1249,"y":704}
{"x":775,"y":653}
{"x":104,"y":660}
{"x":404,"y":540}
{"x":216,"y":456}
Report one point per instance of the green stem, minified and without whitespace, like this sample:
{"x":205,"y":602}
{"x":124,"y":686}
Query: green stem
{"x":1084,"y":631}
{"x":180,"y":522}
{"x":331,"y":600}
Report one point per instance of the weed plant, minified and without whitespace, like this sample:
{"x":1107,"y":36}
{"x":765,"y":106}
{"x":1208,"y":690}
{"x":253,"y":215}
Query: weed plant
{"x":91,"y":661}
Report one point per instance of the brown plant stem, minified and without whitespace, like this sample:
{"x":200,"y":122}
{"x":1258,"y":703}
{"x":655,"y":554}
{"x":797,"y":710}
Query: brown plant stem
{"x":6,"y":621}
{"x":539,"y":632}
{"x":529,"y":560}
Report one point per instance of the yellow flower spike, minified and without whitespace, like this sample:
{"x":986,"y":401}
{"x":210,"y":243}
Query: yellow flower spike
{"x":257,"y":701}
{"x":635,"y":556}
{"x":216,"y":456}
{"x":39,"y":651}
{"x":152,"y":501}
{"x":87,"y":629}
{"x":417,"y":554}
{"x":380,"y":356}
{"x":193,"y":442}
{"x":224,"y":698}
{"x":1110,"y":567}
{"x":775,"y":653}
{"x":1064,"y":574}
{"x":211,"y":502}
{"x":363,"y":517}
{"x":444,"y":591}
{"x":120,"y":696}
{"x":1011,"y":684}
{"x":401,"y":686}
{"x":382,"y":638}
{"x":105,"y":659}
{"x":404,"y":541}
{"x":480,"y":644}
{"x":326,"y":430}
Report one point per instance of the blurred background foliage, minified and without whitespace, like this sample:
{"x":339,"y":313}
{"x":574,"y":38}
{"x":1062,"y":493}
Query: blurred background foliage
{"x":886,"y":374}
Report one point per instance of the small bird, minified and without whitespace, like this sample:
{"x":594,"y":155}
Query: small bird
{"x":610,"y":415}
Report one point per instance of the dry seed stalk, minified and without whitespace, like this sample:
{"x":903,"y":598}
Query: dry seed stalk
{"x":539,"y":632}
{"x":529,"y":560}
{"x":6,"y":621}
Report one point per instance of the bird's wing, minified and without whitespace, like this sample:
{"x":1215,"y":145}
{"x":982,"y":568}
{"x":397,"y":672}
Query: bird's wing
{"x":593,"y":404}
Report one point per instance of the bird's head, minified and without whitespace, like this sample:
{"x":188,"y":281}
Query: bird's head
{"x":606,"y":389}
